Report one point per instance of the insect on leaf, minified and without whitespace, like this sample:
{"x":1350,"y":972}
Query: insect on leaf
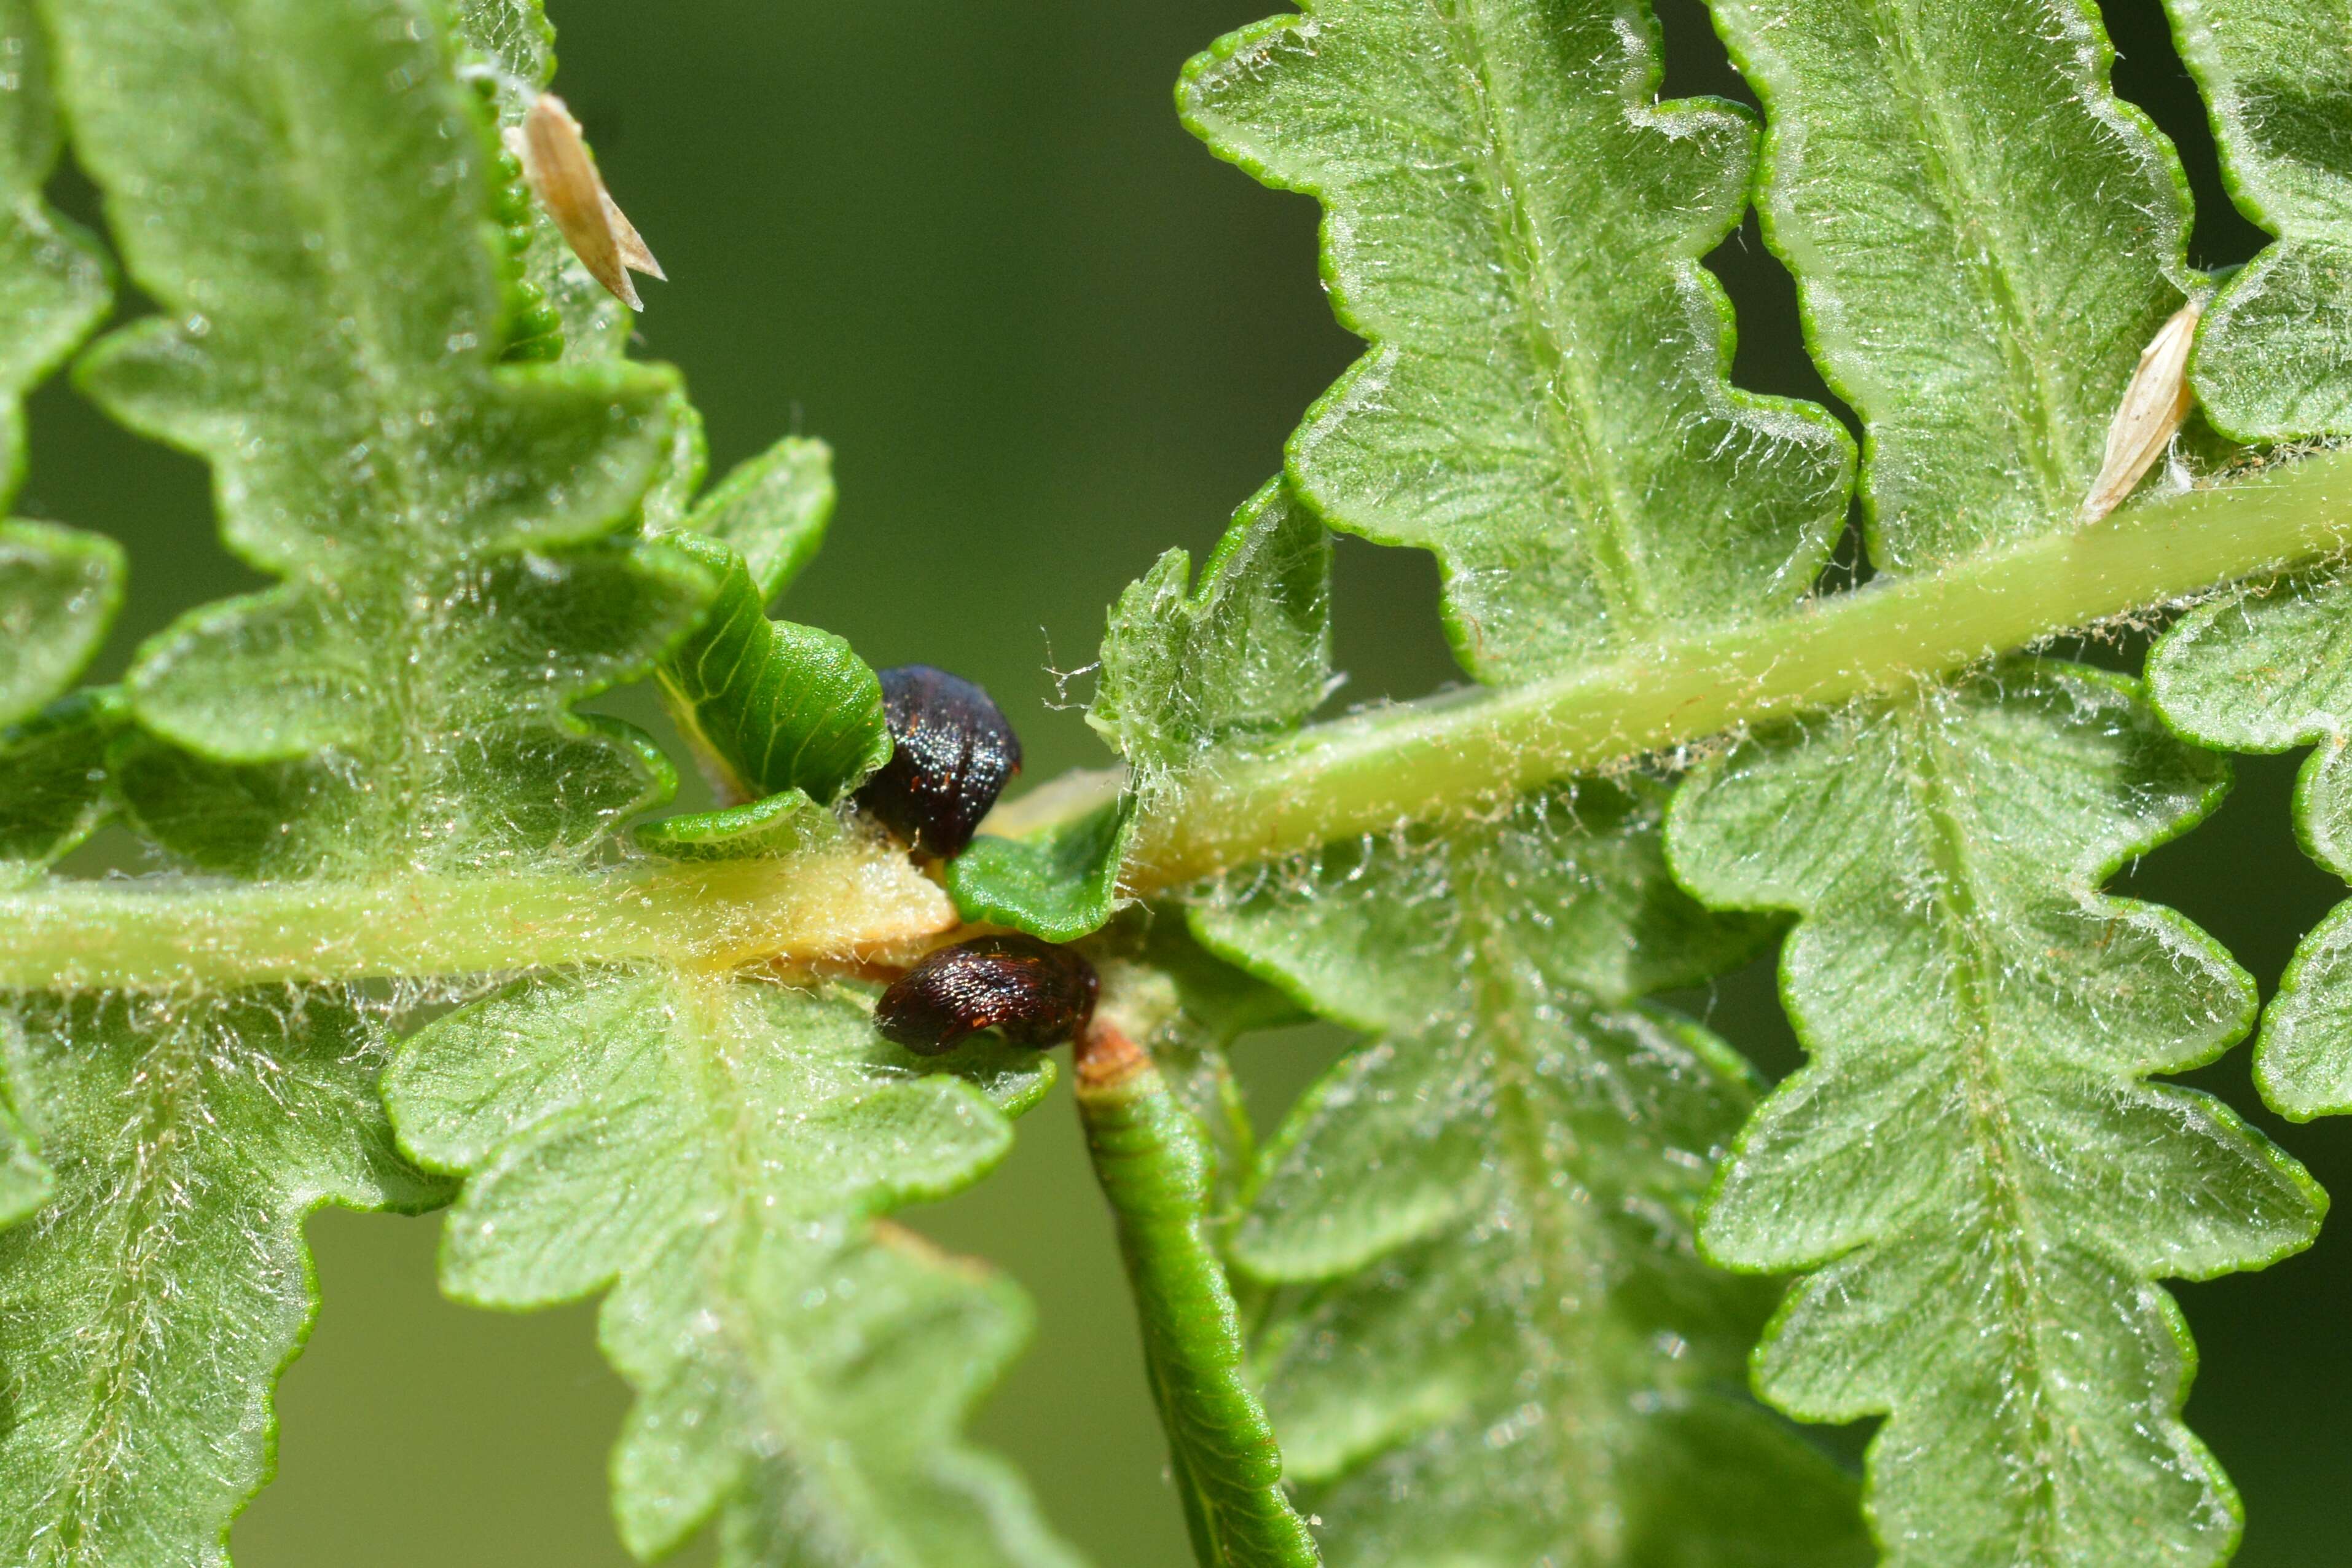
{"x":1965,"y":205}
{"x":515,"y":50}
{"x":304,"y":186}
{"x":2156,"y":403}
{"x":562,"y":174}
{"x":1185,"y":668}
{"x":1514,"y":221}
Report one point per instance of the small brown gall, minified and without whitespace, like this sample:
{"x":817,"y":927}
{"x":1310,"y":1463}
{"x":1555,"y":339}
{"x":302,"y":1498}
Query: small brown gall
{"x":1036,"y":993}
{"x":955,"y":752}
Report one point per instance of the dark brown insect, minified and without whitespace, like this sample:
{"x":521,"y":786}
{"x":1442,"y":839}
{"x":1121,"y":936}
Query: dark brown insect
{"x":955,"y":752}
{"x":1037,"y":993}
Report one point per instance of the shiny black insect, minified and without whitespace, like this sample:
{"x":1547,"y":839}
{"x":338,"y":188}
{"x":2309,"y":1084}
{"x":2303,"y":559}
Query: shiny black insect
{"x":955,"y":752}
{"x":1037,"y":993}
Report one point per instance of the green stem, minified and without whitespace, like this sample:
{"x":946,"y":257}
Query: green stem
{"x":1153,"y":1163}
{"x":1376,"y":771}
{"x":848,"y":903}
{"x":1366,"y":774}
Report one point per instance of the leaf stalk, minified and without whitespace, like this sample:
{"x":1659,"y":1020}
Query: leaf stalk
{"x":1153,"y":1163}
{"x":1375,"y":770}
{"x":850,"y":903}
{"x":1367,"y":772}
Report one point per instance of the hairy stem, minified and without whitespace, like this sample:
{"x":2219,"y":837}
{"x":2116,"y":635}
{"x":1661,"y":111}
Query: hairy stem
{"x":1365,"y":773}
{"x":1153,"y":1163}
{"x":847,"y":903}
{"x":1410,"y":761}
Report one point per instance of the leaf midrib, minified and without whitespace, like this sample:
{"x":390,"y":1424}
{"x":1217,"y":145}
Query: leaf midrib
{"x":409,"y":688}
{"x":2013,"y":1238}
{"x":1556,"y":1228}
{"x":310,"y":187}
{"x":163,"y":1075}
{"x":1604,"y":521}
{"x":736,"y":1130}
{"x":1969,"y":212}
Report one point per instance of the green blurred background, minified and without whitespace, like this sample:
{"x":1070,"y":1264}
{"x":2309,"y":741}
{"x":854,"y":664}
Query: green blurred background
{"x":1049,"y":336}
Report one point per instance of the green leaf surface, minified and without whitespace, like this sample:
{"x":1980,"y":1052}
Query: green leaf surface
{"x":772,"y":706}
{"x":1170,"y":1133}
{"x":1514,"y":223}
{"x":768,"y":705}
{"x":1972,"y":1166}
{"x":772,"y":512}
{"x":53,"y":278}
{"x":2261,"y":671}
{"x":307,"y":189}
{"x":1494,"y":1343}
{"x":666,"y":501}
{"x":1058,"y":885}
{"x":53,"y":780}
{"x":717,"y":1151}
{"x":499,"y":772}
{"x":146,"y":1311}
{"x":773,"y":825}
{"x":60,"y":589}
{"x":1984,"y":239}
{"x":516,"y":44}
{"x":58,"y":592}
{"x":1246,"y":651}
{"x":25,"y":1182}
{"x":515,"y":50}
{"x":513,"y":35}
{"x":2275,"y":352}
{"x":2264,"y":671}
{"x":1467,"y":1363}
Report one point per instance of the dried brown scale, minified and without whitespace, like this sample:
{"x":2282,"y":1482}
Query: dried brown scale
{"x":562,"y":174}
{"x":1033,"y":992}
{"x":954,"y":755}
